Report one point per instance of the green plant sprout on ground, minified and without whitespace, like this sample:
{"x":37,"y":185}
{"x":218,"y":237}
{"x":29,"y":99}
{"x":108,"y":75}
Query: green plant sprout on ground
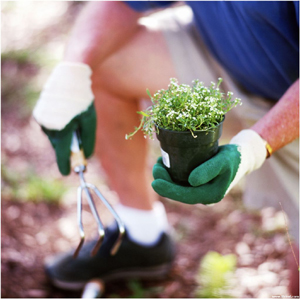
{"x":214,"y":275}
{"x":185,"y":108}
{"x":30,"y":187}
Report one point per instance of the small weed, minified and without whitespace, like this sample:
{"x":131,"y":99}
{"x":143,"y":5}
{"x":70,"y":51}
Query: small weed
{"x":20,"y":57}
{"x":30,"y":187}
{"x":19,"y":90}
{"x":138,"y":291}
{"x":214,"y":275}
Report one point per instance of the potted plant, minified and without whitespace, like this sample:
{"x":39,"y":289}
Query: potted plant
{"x":188,"y":123}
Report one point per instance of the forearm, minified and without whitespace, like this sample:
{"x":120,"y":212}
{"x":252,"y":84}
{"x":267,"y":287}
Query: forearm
{"x":100,"y":30}
{"x":280,"y":125}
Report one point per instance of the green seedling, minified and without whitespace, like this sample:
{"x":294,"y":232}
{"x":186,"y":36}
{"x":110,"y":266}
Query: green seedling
{"x":214,"y":275}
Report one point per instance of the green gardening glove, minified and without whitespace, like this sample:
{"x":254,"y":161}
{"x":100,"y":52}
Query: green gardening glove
{"x":213,"y":179}
{"x":66,"y":104}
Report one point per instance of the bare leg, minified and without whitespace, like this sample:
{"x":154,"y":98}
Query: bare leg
{"x":118,"y":85}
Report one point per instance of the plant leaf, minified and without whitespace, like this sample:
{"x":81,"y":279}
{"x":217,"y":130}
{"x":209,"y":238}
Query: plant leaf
{"x":143,"y":113}
{"x":148,"y":92}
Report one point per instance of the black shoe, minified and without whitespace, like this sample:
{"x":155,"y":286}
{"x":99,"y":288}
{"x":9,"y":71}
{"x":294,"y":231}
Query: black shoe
{"x":131,"y":261}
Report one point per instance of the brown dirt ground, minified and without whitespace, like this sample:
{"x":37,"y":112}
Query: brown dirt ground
{"x":33,"y":230}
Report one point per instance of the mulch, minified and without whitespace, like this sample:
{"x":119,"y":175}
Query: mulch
{"x":31,"y":231}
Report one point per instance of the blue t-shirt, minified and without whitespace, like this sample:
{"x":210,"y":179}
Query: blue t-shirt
{"x":257,"y":42}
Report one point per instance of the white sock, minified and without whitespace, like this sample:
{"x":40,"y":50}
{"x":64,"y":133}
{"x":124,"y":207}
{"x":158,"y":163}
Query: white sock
{"x":144,"y":226}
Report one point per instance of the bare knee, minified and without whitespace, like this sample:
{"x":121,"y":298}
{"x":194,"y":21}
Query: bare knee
{"x":142,"y":63}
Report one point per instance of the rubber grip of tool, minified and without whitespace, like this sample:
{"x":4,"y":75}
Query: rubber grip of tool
{"x":77,"y":159}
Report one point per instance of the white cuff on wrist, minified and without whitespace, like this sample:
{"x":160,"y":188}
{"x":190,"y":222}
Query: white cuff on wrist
{"x":66,"y":94}
{"x":253,"y":149}
{"x":253,"y":153}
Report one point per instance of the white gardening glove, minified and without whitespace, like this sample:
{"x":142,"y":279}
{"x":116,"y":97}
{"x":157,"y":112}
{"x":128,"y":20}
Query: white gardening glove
{"x":66,"y":104}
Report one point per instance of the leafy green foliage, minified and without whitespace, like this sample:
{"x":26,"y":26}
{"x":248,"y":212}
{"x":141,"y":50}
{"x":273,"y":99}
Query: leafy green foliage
{"x":31,"y":187}
{"x":186,"y":108}
{"x":214,"y":274}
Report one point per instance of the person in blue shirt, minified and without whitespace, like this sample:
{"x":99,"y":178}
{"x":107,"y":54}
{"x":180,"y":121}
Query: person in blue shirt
{"x":115,"y":52}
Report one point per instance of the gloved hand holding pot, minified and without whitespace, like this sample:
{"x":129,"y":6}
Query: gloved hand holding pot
{"x":188,"y":123}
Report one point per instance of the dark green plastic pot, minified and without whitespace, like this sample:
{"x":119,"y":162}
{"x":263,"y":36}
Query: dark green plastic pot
{"x":181,"y":152}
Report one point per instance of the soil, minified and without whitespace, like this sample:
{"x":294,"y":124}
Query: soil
{"x":33,"y":230}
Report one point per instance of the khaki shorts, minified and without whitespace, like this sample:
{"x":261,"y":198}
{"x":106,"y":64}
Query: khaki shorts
{"x":276,"y":183}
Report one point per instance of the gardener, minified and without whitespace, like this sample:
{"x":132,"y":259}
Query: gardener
{"x":112,"y":57}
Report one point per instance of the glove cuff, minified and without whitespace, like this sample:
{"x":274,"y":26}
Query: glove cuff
{"x":66,"y":94}
{"x":253,"y":153}
{"x":252,"y":148}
